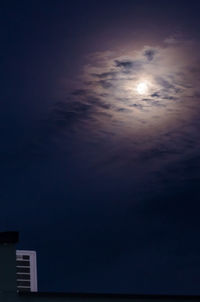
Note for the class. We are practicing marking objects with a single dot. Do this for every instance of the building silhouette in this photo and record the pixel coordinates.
(9, 292)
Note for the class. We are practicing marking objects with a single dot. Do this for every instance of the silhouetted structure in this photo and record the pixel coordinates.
(26, 270)
(9, 293)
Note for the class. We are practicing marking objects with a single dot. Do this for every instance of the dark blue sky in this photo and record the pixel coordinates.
(100, 178)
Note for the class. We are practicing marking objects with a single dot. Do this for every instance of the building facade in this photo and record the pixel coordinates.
(26, 266)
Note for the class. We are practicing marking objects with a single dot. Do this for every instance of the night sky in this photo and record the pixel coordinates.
(100, 142)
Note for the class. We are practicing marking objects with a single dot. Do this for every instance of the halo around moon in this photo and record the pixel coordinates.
(142, 88)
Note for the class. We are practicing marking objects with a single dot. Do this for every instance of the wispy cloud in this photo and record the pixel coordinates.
(121, 129)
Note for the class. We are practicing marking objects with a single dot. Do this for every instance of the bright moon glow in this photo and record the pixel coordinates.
(142, 88)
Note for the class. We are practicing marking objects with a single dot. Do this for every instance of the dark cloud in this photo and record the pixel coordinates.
(169, 97)
(123, 110)
(150, 54)
(124, 64)
(63, 113)
(128, 66)
(138, 106)
(166, 84)
(106, 84)
(153, 103)
(155, 95)
(109, 74)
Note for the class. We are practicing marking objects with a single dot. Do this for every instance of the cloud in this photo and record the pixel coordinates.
(165, 83)
(128, 66)
(150, 54)
(166, 68)
(155, 94)
(171, 97)
(110, 74)
(105, 84)
(128, 130)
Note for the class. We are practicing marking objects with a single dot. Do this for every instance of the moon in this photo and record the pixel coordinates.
(142, 88)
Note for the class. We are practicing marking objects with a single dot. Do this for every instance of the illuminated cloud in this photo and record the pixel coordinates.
(121, 130)
(169, 70)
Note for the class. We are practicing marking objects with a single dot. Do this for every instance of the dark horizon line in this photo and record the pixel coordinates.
(111, 295)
